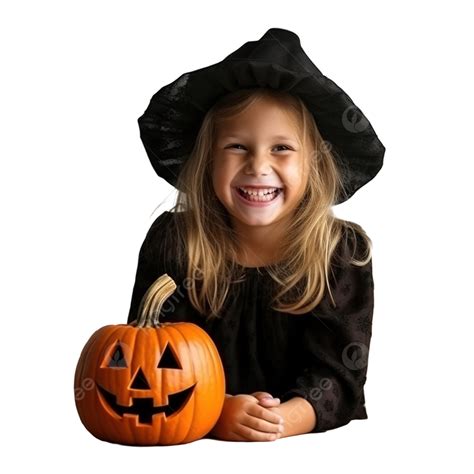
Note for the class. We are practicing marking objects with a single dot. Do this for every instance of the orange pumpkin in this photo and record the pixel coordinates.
(150, 383)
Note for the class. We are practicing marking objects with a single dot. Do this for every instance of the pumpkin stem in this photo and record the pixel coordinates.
(153, 299)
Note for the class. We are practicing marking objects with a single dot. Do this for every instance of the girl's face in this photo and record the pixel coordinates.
(259, 151)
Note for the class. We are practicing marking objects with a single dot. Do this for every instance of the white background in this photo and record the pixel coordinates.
(78, 195)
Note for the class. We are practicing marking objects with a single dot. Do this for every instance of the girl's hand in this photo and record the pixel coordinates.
(266, 399)
(273, 404)
(243, 418)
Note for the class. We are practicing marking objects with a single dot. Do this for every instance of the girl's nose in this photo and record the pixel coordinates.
(258, 163)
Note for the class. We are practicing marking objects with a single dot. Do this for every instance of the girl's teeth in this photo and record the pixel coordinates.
(260, 192)
(261, 196)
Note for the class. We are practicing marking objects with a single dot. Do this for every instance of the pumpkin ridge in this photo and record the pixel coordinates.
(175, 327)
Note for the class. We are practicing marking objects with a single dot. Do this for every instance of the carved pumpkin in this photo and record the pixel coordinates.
(150, 383)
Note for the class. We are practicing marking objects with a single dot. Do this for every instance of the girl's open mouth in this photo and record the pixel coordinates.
(260, 199)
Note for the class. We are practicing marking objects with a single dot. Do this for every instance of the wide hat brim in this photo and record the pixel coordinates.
(169, 125)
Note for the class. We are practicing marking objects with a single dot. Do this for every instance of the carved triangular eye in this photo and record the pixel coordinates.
(117, 359)
(168, 360)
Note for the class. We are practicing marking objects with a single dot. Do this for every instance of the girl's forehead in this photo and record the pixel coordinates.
(244, 136)
(269, 119)
(278, 127)
(270, 131)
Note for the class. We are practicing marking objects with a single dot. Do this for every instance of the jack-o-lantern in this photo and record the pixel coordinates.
(150, 383)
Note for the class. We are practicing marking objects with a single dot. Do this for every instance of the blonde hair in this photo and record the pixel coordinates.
(209, 242)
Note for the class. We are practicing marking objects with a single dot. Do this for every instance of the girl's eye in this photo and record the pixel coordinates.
(238, 144)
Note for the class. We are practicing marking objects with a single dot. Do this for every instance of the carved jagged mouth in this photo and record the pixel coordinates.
(143, 407)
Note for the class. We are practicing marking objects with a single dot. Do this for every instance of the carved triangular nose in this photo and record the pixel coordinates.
(140, 381)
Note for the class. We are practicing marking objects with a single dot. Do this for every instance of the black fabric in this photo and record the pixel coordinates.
(321, 356)
(170, 123)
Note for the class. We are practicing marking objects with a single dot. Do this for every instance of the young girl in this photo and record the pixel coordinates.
(260, 147)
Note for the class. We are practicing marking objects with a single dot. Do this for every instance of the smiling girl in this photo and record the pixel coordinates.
(260, 174)
(283, 287)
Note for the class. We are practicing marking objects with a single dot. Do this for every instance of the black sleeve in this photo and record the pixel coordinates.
(150, 262)
(335, 348)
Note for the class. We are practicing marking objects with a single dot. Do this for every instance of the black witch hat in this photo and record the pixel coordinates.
(169, 125)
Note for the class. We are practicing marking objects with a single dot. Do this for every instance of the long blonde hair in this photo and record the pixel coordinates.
(209, 242)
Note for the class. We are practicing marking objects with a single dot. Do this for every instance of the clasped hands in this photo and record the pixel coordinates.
(254, 417)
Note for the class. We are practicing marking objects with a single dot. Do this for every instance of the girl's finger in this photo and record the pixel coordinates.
(261, 394)
(251, 432)
(266, 415)
(269, 402)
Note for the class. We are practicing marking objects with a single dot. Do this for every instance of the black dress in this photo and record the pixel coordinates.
(321, 356)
